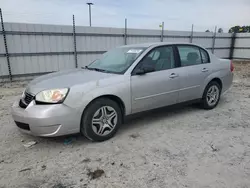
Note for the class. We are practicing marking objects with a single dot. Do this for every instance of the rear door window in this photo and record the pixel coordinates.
(204, 56)
(189, 55)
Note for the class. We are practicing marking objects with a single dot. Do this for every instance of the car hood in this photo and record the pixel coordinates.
(65, 79)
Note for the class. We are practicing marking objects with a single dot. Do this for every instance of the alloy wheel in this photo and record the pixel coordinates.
(104, 120)
(212, 95)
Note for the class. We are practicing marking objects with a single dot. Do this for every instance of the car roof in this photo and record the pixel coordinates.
(146, 45)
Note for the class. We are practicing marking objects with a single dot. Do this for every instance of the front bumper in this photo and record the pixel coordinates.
(46, 120)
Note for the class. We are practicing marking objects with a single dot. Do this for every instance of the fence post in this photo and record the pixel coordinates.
(125, 32)
(231, 53)
(5, 45)
(214, 37)
(192, 34)
(162, 31)
(74, 38)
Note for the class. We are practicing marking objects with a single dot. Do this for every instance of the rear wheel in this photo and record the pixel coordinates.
(101, 120)
(211, 95)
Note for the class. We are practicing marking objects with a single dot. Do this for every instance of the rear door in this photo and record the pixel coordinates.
(159, 87)
(193, 70)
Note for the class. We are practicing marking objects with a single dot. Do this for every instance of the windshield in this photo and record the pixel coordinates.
(117, 60)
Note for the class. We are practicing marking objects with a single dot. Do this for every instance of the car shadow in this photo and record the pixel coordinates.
(151, 116)
(156, 115)
(131, 122)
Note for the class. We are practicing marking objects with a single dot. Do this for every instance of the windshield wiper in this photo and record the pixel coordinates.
(85, 67)
(95, 69)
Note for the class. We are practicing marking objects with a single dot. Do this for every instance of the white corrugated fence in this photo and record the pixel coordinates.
(35, 49)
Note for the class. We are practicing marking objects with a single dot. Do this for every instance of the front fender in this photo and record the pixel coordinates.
(80, 96)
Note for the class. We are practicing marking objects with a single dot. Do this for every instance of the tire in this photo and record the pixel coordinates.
(205, 99)
(96, 120)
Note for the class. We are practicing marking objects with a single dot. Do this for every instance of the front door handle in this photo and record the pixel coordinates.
(204, 70)
(173, 75)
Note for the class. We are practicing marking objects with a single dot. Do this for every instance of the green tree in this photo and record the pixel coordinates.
(239, 29)
(220, 30)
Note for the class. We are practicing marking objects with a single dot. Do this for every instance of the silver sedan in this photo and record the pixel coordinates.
(94, 100)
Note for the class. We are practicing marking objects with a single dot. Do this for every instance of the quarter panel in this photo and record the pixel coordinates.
(220, 69)
(224, 75)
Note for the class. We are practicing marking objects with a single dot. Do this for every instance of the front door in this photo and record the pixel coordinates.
(194, 69)
(160, 86)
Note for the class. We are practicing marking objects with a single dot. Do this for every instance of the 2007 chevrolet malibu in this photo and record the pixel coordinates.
(95, 99)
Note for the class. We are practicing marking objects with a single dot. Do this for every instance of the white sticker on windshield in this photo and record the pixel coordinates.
(134, 51)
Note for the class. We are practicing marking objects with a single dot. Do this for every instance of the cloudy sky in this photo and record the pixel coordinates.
(177, 14)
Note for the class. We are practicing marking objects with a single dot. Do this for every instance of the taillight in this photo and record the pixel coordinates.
(231, 66)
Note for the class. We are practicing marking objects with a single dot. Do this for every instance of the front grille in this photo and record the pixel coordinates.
(24, 102)
(28, 98)
(23, 125)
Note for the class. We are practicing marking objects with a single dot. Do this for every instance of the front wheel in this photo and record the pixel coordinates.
(101, 120)
(211, 95)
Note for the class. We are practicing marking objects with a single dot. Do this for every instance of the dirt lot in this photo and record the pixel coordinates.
(183, 147)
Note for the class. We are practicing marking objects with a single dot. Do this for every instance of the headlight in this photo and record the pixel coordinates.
(52, 95)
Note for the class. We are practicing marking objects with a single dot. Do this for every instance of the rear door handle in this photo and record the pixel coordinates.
(204, 70)
(173, 75)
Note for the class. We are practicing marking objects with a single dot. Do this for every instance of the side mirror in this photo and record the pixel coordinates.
(144, 70)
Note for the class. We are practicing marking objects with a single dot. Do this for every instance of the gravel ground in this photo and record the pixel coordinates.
(182, 147)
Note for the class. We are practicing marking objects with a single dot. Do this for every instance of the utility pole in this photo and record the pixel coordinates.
(90, 4)
(125, 32)
(214, 38)
(192, 34)
(162, 31)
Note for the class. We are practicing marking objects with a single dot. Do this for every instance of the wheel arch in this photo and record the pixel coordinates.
(215, 79)
(218, 80)
(204, 102)
(114, 98)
